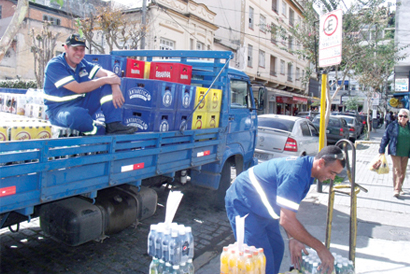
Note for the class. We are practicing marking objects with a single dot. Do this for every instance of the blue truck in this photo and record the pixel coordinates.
(84, 188)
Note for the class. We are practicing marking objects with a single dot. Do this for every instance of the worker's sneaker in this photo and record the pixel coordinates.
(396, 193)
(118, 128)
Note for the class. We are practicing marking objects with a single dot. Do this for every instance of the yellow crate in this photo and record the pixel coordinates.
(212, 120)
(147, 70)
(4, 134)
(24, 132)
(198, 120)
(212, 102)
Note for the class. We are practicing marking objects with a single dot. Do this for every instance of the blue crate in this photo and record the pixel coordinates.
(164, 121)
(183, 116)
(185, 97)
(140, 117)
(158, 95)
(116, 64)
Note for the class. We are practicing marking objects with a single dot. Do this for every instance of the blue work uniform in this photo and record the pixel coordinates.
(261, 192)
(66, 108)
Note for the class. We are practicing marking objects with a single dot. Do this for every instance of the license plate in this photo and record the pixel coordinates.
(262, 156)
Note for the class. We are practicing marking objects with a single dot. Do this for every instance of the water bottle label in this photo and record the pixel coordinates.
(185, 249)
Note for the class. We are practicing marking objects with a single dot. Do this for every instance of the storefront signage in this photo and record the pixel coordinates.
(299, 100)
(401, 84)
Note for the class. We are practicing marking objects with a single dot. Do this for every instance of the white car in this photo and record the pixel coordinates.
(283, 136)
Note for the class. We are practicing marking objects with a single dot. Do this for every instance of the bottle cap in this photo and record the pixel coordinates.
(174, 234)
(225, 248)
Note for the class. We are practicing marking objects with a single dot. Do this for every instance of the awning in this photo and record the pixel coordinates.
(299, 100)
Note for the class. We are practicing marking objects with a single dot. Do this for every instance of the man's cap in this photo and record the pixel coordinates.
(75, 40)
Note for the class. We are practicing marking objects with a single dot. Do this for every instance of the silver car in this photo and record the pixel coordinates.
(282, 136)
(355, 126)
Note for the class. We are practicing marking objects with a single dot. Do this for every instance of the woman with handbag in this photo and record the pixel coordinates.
(397, 137)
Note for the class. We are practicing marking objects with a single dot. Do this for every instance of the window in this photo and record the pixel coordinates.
(303, 74)
(200, 46)
(273, 33)
(275, 5)
(52, 20)
(297, 74)
(240, 94)
(250, 17)
(305, 129)
(313, 130)
(272, 65)
(262, 23)
(290, 69)
(282, 67)
(261, 58)
(291, 17)
(0, 12)
(290, 42)
(284, 8)
(191, 44)
(250, 50)
(165, 44)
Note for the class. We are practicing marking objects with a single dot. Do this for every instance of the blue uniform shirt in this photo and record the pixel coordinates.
(284, 182)
(58, 73)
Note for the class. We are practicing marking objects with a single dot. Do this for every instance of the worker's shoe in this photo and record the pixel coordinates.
(118, 128)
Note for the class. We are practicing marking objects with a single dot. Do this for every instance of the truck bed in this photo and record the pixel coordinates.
(38, 171)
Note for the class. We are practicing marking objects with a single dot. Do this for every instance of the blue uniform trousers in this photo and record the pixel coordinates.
(78, 114)
(261, 233)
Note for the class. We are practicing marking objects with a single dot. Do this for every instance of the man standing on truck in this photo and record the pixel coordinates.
(74, 92)
(270, 194)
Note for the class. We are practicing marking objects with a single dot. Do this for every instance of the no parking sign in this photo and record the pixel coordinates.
(330, 39)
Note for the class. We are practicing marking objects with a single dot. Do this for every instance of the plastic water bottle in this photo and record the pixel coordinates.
(183, 268)
(256, 262)
(167, 268)
(175, 249)
(188, 231)
(161, 266)
(175, 269)
(153, 267)
(184, 241)
(165, 245)
(151, 240)
(190, 267)
(224, 260)
(158, 241)
(241, 263)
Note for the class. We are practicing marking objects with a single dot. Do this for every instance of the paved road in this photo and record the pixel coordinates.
(30, 251)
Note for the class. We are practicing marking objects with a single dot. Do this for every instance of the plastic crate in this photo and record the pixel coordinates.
(154, 94)
(139, 117)
(137, 69)
(212, 102)
(198, 120)
(172, 72)
(185, 97)
(116, 64)
(185, 118)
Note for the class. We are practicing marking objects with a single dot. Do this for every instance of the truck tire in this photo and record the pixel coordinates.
(224, 184)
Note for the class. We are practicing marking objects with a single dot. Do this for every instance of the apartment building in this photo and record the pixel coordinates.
(251, 29)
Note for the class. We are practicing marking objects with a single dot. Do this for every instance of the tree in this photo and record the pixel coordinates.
(117, 29)
(43, 45)
(352, 103)
(358, 20)
(14, 26)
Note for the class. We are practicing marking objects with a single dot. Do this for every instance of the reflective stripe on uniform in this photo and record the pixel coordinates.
(63, 98)
(106, 99)
(92, 132)
(93, 72)
(288, 203)
(262, 194)
(64, 81)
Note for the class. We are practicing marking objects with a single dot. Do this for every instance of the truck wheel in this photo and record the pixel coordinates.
(224, 184)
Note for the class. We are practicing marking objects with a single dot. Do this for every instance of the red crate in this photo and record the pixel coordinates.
(171, 72)
(135, 68)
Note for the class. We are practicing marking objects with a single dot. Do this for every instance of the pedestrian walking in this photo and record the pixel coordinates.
(389, 118)
(397, 138)
(270, 194)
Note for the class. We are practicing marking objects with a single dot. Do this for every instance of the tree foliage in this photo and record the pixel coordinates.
(43, 45)
(116, 29)
(364, 52)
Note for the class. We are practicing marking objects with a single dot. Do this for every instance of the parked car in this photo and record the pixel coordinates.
(355, 126)
(283, 135)
(307, 114)
(337, 128)
(354, 114)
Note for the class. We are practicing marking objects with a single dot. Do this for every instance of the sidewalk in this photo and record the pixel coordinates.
(383, 234)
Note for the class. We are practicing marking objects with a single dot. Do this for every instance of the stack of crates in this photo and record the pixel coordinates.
(116, 64)
(149, 105)
(208, 111)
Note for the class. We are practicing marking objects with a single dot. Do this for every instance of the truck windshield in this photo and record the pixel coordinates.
(276, 123)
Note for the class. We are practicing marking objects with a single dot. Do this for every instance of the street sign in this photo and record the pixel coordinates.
(330, 39)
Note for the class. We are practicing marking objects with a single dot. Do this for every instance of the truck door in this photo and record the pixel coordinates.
(242, 118)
